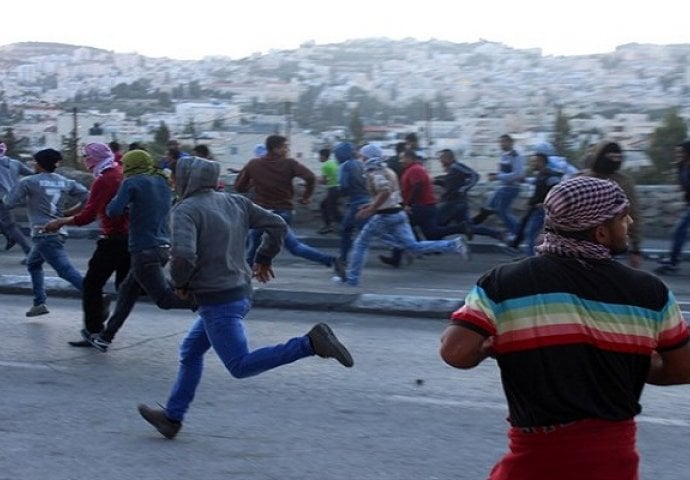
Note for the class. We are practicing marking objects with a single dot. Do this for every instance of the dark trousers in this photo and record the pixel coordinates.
(329, 207)
(111, 256)
(146, 271)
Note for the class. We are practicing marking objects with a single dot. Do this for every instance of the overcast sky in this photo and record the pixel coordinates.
(196, 28)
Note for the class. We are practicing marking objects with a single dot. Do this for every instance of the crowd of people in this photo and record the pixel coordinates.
(576, 333)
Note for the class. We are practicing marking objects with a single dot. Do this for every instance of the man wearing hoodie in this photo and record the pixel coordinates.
(680, 232)
(354, 188)
(605, 162)
(209, 233)
(270, 177)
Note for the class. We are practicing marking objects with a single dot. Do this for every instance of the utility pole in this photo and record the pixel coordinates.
(428, 114)
(288, 120)
(74, 141)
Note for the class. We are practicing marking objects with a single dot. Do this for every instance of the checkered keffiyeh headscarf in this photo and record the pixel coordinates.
(577, 205)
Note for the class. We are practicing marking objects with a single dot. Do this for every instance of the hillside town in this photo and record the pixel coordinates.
(460, 96)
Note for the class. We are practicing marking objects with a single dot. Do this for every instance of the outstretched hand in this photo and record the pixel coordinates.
(263, 273)
(53, 225)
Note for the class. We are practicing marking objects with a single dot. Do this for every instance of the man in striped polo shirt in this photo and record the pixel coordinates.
(576, 335)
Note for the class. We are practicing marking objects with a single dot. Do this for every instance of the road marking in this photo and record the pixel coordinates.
(669, 422)
(31, 366)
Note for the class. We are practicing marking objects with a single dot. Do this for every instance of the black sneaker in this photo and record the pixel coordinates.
(10, 243)
(157, 417)
(83, 342)
(389, 261)
(339, 268)
(326, 344)
(95, 340)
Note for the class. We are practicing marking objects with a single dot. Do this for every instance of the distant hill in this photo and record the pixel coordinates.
(18, 52)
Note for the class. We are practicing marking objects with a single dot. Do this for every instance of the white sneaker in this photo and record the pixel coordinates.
(462, 249)
(37, 310)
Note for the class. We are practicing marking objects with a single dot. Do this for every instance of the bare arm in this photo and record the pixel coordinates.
(464, 348)
(670, 367)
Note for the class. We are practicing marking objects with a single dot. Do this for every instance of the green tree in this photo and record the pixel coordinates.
(662, 142)
(561, 135)
(11, 142)
(161, 135)
(69, 150)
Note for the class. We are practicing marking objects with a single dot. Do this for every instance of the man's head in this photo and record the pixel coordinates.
(409, 157)
(47, 160)
(202, 151)
(277, 145)
(259, 150)
(370, 151)
(607, 157)
(412, 141)
(546, 148)
(344, 151)
(372, 156)
(324, 154)
(96, 154)
(446, 157)
(539, 161)
(506, 142)
(590, 209)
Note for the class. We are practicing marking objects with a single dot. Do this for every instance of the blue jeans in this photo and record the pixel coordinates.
(51, 249)
(348, 226)
(291, 242)
(426, 218)
(11, 230)
(535, 225)
(393, 229)
(501, 202)
(680, 234)
(221, 327)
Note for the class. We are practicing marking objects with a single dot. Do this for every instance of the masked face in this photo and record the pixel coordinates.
(608, 163)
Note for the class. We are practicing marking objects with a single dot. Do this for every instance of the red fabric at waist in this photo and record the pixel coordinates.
(592, 449)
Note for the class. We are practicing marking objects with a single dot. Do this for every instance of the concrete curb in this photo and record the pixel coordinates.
(400, 305)
(333, 242)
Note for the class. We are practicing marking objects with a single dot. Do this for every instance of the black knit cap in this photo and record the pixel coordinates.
(48, 159)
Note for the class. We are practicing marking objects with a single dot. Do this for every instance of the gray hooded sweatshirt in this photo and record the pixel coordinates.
(209, 235)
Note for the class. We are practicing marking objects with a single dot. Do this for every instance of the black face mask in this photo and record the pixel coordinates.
(606, 165)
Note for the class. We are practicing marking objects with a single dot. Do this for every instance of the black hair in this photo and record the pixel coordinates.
(275, 141)
(202, 150)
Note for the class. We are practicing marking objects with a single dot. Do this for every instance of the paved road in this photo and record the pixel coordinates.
(71, 413)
